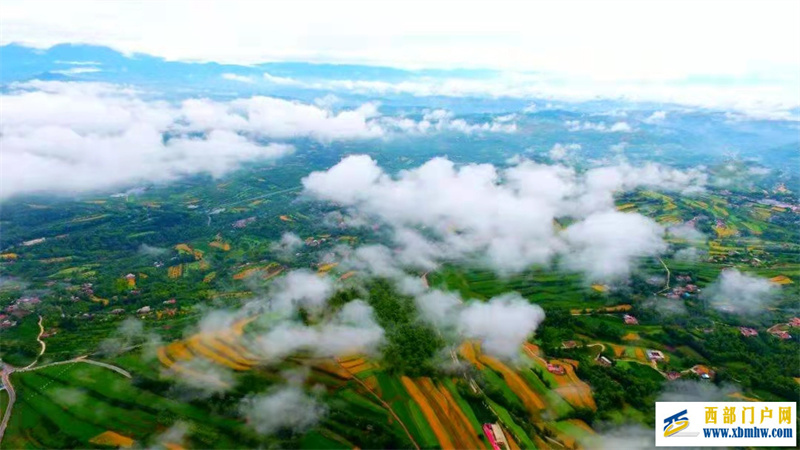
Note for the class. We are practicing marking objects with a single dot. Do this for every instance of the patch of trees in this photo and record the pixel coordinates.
(411, 344)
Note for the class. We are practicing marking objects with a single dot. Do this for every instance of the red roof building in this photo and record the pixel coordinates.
(780, 334)
(748, 332)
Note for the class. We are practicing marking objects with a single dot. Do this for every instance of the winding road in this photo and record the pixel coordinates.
(8, 369)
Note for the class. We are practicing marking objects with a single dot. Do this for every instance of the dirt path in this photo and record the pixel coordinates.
(598, 344)
(82, 359)
(41, 344)
(12, 397)
(666, 288)
(385, 405)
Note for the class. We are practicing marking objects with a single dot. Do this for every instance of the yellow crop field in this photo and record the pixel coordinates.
(357, 365)
(626, 206)
(631, 337)
(9, 256)
(208, 278)
(348, 275)
(574, 390)
(247, 272)
(781, 279)
(430, 415)
(600, 287)
(175, 271)
(324, 268)
(724, 232)
(183, 248)
(112, 439)
(470, 353)
(220, 347)
(531, 349)
(529, 398)
(198, 345)
(104, 301)
(286, 218)
(224, 246)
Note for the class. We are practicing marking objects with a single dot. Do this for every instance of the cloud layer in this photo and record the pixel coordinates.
(505, 218)
(58, 136)
(741, 293)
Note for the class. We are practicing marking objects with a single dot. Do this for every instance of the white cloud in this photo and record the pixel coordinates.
(283, 81)
(284, 407)
(301, 288)
(287, 245)
(502, 218)
(239, 78)
(604, 244)
(689, 254)
(656, 117)
(741, 293)
(502, 324)
(617, 127)
(88, 136)
(500, 37)
(686, 231)
(560, 152)
(77, 70)
(70, 137)
(353, 331)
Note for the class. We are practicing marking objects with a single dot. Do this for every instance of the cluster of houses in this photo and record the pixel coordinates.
(683, 291)
(748, 332)
(556, 369)
(774, 331)
(242, 223)
(145, 310)
(313, 242)
(18, 309)
(630, 320)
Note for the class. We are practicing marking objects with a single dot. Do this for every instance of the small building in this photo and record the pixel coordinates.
(495, 435)
(748, 332)
(794, 322)
(170, 301)
(672, 376)
(569, 344)
(603, 361)
(117, 311)
(780, 334)
(556, 369)
(143, 310)
(692, 288)
(654, 355)
(703, 372)
(630, 320)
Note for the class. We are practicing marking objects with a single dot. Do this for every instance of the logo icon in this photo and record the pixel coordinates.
(674, 424)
